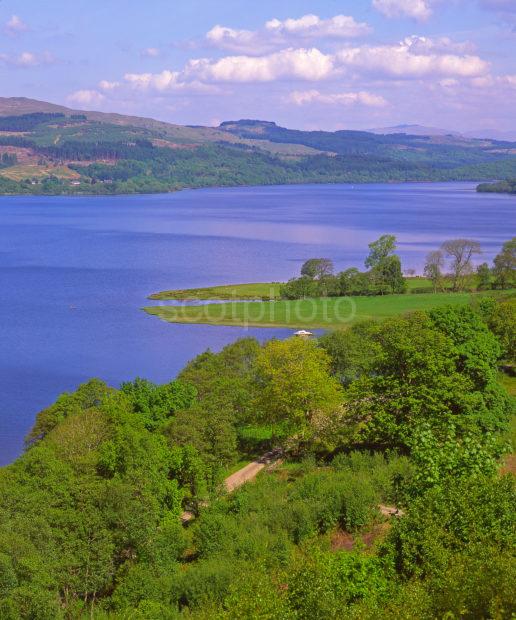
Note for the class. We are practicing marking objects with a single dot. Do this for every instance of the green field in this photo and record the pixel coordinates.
(312, 313)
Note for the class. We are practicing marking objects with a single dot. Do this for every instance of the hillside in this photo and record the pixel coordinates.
(415, 130)
(50, 149)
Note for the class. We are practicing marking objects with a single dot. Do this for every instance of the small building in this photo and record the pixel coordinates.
(303, 334)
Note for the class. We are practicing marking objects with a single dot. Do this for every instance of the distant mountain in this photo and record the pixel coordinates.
(493, 134)
(415, 130)
(50, 149)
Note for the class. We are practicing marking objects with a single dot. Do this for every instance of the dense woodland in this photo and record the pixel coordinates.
(121, 158)
(411, 412)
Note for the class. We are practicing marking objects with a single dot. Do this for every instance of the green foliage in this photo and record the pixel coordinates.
(89, 515)
(504, 270)
(156, 403)
(327, 583)
(501, 187)
(317, 268)
(294, 383)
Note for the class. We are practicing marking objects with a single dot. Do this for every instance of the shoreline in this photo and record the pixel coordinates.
(208, 187)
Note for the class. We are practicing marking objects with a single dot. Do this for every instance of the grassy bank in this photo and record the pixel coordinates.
(312, 313)
(258, 290)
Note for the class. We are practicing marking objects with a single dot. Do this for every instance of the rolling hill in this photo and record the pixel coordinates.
(50, 149)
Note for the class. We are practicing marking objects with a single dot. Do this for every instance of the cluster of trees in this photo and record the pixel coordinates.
(8, 159)
(460, 253)
(501, 187)
(27, 122)
(384, 275)
(408, 412)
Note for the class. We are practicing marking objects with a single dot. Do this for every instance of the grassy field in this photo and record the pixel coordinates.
(309, 313)
(34, 171)
(258, 290)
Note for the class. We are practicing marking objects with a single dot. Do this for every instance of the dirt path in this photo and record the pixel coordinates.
(250, 471)
(247, 473)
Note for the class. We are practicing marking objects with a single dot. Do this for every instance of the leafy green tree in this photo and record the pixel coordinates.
(299, 288)
(326, 584)
(384, 265)
(316, 268)
(352, 351)
(379, 250)
(158, 402)
(353, 282)
(483, 277)
(388, 272)
(504, 270)
(438, 370)
(294, 383)
(226, 379)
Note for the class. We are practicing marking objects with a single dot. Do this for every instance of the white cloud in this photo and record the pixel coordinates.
(107, 85)
(407, 60)
(298, 64)
(336, 99)
(277, 34)
(27, 59)
(416, 9)
(238, 40)
(313, 27)
(86, 97)
(490, 81)
(424, 45)
(15, 26)
(150, 52)
(164, 81)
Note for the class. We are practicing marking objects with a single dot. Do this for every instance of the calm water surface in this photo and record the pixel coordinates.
(74, 272)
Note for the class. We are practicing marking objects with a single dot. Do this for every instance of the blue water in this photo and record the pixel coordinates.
(75, 271)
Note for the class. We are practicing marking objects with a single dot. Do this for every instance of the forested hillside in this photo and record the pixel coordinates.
(63, 151)
(409, 417)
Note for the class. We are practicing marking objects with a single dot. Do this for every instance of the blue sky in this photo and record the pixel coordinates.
(331, 64)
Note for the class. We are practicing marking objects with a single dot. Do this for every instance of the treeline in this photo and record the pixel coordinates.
(408, 412)
(501, 187)
(460, 253)
(141, 166)
(318, 280)
(28, 122)
(8, 159)
(385, 274)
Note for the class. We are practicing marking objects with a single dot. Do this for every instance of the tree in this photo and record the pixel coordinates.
(461, 252)
(353, 282)
(316, 268)
(379, 250)
(389, 272)
(438, 370)
(433, 268)
(505, 265)
(385, 267)
(294, 383)
(299, 288)
(484, 277)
